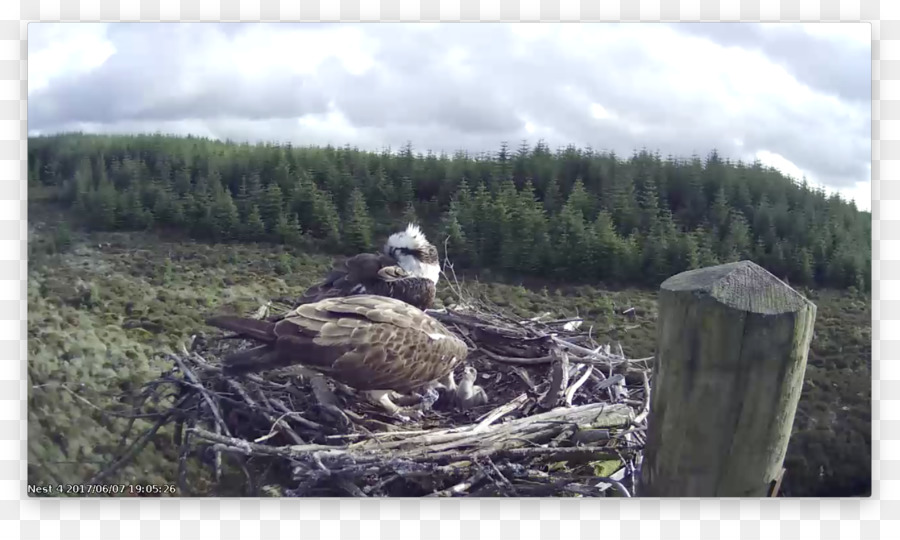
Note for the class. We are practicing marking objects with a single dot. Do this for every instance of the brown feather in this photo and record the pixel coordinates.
(392, 273)
(368, 342)
(374, 274)
(251, 360)
(252, 328)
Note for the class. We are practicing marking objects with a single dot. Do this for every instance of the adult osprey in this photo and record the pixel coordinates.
(372, 343)
(407, 269)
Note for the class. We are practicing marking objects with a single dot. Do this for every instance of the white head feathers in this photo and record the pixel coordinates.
(411, 238)
(400, 245)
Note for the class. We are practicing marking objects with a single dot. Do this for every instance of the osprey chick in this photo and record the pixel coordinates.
(469, 394)
(371, 343)
(407, 270)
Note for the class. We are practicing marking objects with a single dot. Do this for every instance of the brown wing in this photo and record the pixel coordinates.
(392, 273)
(346, 275)
(370, 342)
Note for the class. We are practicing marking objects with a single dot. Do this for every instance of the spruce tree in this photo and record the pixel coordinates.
(225, 217)
(457, 249)
(358, 226)
(270, 206)
(254, 228)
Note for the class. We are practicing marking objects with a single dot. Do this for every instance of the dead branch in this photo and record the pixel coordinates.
(279, 430)
(559, 379)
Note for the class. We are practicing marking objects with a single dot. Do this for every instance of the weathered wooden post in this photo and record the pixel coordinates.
(732, 347)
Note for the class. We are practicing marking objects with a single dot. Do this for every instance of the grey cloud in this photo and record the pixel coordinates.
(413, 94)
(145, 80)
(836, 66)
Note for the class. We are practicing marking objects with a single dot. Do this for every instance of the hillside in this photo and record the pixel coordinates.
(134, 239)
(573, 215)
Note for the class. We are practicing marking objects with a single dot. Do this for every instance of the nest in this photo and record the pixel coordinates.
(565, 416)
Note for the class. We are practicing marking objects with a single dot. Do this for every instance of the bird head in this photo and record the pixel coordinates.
(414, 253)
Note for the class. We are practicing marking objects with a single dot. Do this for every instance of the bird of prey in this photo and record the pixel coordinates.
(372, 343)
(407, 270)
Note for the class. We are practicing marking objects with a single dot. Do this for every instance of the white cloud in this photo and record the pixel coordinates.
(795, 96)
(65, 49)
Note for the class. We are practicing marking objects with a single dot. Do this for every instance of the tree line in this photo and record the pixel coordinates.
(574, 214)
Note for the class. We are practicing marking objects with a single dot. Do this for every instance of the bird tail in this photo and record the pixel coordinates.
(252, 360)
(250, 328)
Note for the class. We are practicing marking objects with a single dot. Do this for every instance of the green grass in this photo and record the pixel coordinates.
(105, 308)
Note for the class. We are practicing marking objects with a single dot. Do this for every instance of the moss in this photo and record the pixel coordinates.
(98, 323)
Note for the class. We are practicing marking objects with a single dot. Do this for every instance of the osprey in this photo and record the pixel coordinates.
(372, 343)
(407, 270)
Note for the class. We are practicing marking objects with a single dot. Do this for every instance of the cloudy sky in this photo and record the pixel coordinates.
(796, 97)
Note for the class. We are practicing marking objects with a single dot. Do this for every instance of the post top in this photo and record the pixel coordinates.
(742, 285)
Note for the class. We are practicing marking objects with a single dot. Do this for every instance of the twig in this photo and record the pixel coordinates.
(135, 447)
(645, 409)
(573, 388)
(501, 411)
(461, 487)
(517, 361)
(559, 379)
(183, 453)
(203, 391)
(276, 423)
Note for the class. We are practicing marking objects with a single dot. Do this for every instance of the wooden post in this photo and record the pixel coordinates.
(732, 346)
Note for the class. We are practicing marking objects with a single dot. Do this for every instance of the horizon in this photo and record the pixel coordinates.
(796, 97)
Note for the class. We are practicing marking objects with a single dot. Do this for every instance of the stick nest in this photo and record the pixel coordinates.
(565, 416)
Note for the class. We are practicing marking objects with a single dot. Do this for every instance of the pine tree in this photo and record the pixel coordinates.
(270, 206)
(608, 248)
(358, 228)
(624, 209)
(254, 228)
(303, 200)
(507, 222)
(737, 242)
(481, 221)
(409, 215)
(225, 217)
(686, 254)
(403, 192)
(379, 193)
(288, 229)
(580, 200)
(283, 178)
(552, 196)
(528, 229)
(648, 204)
(706, 247)
(655, 258)
(103, 207)
(182, 181)
(804, 269)
(325, 219)
(720, 212)
(452, 233)
(734, 210)
(574, 246)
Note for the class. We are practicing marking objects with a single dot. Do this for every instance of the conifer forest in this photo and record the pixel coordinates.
(525, 217)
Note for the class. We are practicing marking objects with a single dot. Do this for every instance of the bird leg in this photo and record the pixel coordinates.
(405, 400)
(425, 397)
(447, 383)
(383, 399)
